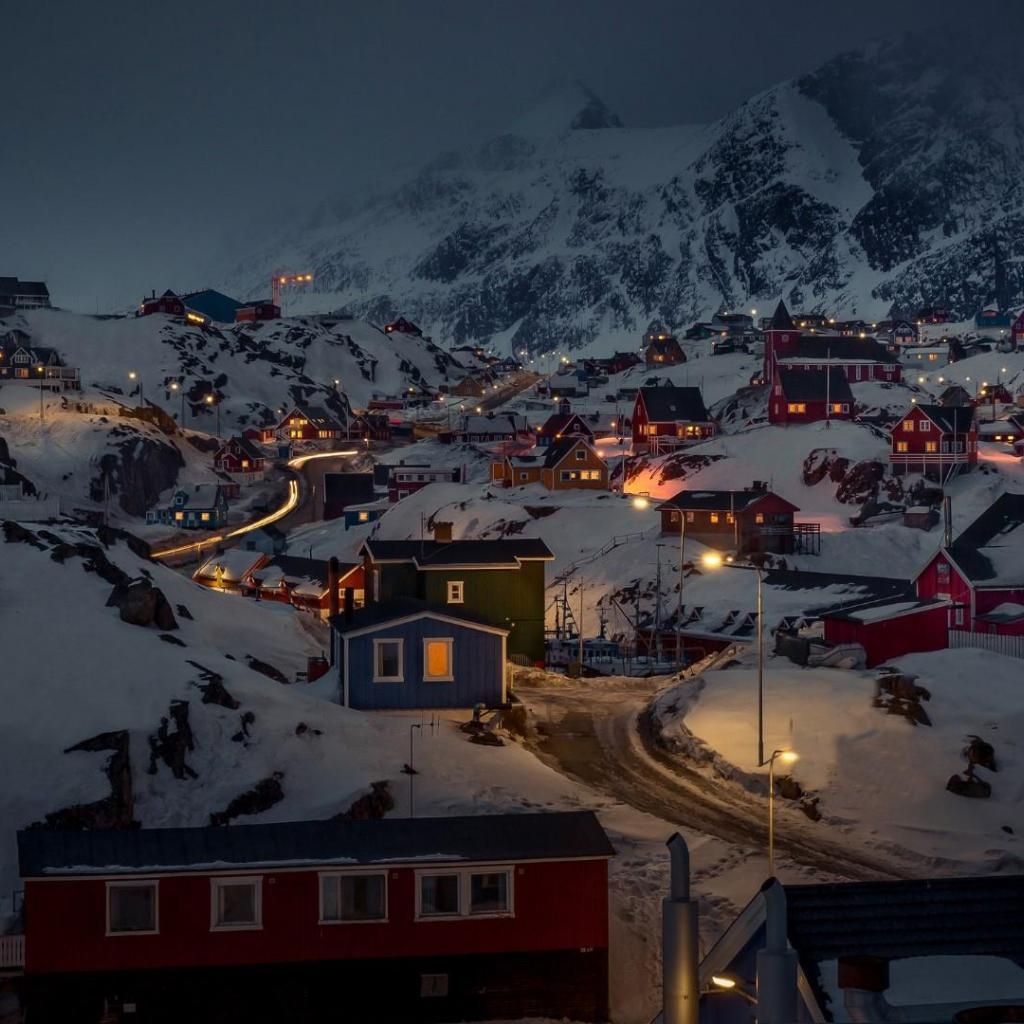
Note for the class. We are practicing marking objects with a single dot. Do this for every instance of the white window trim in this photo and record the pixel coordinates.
(465, 891)
(400, 678)
(450, 678)
(216, 884)
(350, 874)
(452, 599)
(153, 883)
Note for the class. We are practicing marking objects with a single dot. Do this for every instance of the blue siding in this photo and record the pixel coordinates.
(476, 665)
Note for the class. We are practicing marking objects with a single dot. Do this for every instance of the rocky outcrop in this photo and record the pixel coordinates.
(142, 604)
(261, 797)
(138, 471)
(369, 806)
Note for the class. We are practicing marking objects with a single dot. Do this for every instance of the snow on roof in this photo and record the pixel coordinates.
(231, 566)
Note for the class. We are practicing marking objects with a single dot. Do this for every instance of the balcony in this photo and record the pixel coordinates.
(12, 952)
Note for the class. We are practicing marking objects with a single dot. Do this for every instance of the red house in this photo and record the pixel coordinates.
(308, 423)
(808, 396)
(935, 440)
(471, 918)
(239, 457)
(168, 303)
(403, 326)
(304, 583)
(259, 310)
(1017, 331)
(889, 627)
(564, 423)
(665, 418)
(980, 575)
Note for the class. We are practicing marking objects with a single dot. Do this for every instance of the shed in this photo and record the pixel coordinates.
(344, 489)
(889, 628)
(404, 654)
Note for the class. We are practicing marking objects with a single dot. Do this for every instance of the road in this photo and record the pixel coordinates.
(592, 733)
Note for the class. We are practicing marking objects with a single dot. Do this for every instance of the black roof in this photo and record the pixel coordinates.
(931, 917)
(951, 419)
(814, 386)
(995, 527)
(12, 286)
(433, 553)
(316, 414)
(348, 488)
(381, 612)
(818, 348)
(312, 569)
(716, 501)
(671, 404)
(558, 449)
(489, 837)
(781, 320)
(862, 588)
(245, 446)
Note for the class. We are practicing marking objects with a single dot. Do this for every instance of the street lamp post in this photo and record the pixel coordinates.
(39, 370)
(786, 757)
(132, 375)
(180, 386)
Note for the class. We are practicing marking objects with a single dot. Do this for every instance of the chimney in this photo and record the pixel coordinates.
(680, 980)
(776, 963)
(947, 521)
(442, 532)
(349, 604)
(333, 572)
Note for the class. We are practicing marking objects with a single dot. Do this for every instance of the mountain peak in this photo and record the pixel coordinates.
(565, 106)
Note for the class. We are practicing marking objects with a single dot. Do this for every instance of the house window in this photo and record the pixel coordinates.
(566, 475)
(908, 426)
(759, 518)
(590, 474)
(652, 429)
(902, 446)
(796, 407)
(439, 895)
(131, 908)
(387, 661)
(730, 518)
(359, 897)
(942, 571)
(488, 893)
(206, 517)
(456, 592)
(523, 476)
(235, 903)
(437, 660)
(713, 517)
(245, 463)
(691, 517)
(178, 516)
(925, 426)
(958, 617)
(839, 407)
(581, 454)
(931, 446)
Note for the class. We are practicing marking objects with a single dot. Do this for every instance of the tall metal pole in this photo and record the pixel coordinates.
(680, 983)
(580, 627)
(771, 816)
(412, 770)
(679, 610)
(182, 386)
(760, 668)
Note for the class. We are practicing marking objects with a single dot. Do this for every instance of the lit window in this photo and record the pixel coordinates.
(245, 463)
(131, 907)
(206, 517)
(439, 895)
(387, 661)
(179, 516)
(456, 592)
(759, 517)
(235, 903)
(730, 518)
(353, 898)
(714, 517)
(902, 446)
(908, 426)
(364, 517)
(931, 446)
(652, 429)
(840, 407)
(437, 660)
(796, 407)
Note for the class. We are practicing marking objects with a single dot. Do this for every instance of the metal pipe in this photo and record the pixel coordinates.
(776, 963)
(760, 667)
(679, 942)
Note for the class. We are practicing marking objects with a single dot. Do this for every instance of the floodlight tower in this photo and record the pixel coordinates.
(278, 281)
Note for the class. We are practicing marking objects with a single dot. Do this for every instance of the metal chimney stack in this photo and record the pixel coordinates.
(776, 963)
(947, 521)
(680, 983)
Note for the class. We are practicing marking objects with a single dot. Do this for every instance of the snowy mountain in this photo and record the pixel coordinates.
(885, 179)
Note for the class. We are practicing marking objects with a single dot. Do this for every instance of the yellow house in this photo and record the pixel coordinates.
(563, 465)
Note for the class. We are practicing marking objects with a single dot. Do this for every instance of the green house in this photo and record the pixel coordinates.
(500, 582)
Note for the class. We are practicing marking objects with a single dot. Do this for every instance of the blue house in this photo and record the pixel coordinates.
(368, 512)
(215, 305)
(403, 654)
(268, 539)
(203, 508)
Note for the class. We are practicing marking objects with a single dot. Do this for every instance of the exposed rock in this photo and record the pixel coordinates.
(142, 604)
(183, 612)
(260, 798)
(788, 788)
(15, 533)
(980, 754)
(247, 718)
(969, 785)
(140, 471)
(266, 669)
(370, 806)
(170, 638)
(172, 747)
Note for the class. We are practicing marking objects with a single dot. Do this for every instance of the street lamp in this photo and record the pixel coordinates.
(177, 385)
(785, 757)
(713, 560)
(210, 400)
(132, 375)
(726, 984)
(39, 370)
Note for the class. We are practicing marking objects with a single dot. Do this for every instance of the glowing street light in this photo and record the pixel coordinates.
(133, 376)
(784, 757)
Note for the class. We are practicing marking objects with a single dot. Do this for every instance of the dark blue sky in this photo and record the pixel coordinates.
(140, 139)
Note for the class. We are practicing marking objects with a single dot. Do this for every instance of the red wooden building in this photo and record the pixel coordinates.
(398, 919)
(403, 326)
(665, 418)
(168, 303)
(981, 574)
(304, 583)
(260, 310)
(564, 423)
(1017, 331)
(306, 423)
(239, 457)
(889, 628)
(808, 396)
(934, 440)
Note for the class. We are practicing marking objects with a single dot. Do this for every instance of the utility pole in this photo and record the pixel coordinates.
(679, 609)
(580, 626)
(411, 770)
(657, 610)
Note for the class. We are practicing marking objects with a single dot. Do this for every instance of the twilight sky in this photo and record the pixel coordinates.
(142, 142)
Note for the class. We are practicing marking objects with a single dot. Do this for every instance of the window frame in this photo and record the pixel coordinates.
(135, 883)
(450, 642)
(580, 454)
(453, 595)
(378, 643)
(465, 876)
(361, 873)
(218, 883)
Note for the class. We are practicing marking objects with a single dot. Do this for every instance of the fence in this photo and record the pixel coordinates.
(1011, 646)
(12, 951)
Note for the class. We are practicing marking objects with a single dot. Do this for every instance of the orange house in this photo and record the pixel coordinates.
(565, 464)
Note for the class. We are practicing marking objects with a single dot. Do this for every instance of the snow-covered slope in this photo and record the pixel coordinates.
(887, 177)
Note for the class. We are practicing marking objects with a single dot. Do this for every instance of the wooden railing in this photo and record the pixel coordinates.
(12, 951)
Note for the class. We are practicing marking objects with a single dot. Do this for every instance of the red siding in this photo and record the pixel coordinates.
(886, 639)
(956, 589)
(557, 905)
